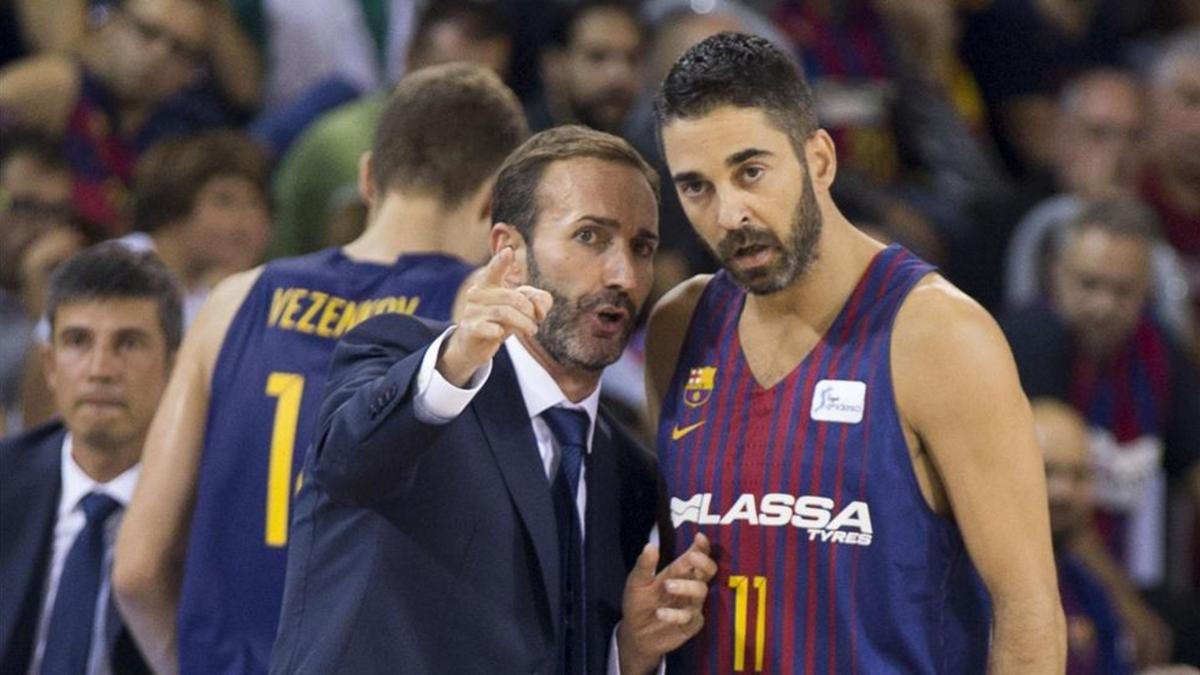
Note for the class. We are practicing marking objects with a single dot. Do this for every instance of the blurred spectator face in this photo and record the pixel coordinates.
(1064, 441)
(1175, 116)
(230, 224)
(156, 48)
(602, 67)
(1100, 128)
(678, 33)
(107, 365)
(1101, 283)
(34, 198)
(449, 41)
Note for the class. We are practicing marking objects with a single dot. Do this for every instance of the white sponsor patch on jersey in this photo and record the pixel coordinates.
(839, 401)
(817, 515)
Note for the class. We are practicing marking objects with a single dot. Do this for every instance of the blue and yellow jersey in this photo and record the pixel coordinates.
(266, 391)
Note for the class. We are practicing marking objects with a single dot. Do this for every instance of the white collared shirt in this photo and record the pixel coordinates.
(437, 402)
(68, 523)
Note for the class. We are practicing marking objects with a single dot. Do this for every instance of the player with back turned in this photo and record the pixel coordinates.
(844, 425)
(223, 455)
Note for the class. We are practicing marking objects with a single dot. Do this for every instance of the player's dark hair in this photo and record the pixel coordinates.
(445, 131)
(515, 200)
(112, 271)
(173, 172)
(744, 71)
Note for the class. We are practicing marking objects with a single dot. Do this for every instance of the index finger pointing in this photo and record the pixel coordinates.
(498, 267)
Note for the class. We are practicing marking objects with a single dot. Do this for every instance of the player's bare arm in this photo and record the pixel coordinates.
(971, 436)
(665, 332)
(152, 542)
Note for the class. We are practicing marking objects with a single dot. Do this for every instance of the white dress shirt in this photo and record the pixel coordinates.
(68, 524)
(437, 402)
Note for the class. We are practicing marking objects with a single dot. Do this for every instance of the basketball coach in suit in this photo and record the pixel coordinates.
(466, 508)
(116, 321)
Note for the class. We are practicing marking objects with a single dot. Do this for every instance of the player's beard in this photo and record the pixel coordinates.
(563, 333)
(795, 258)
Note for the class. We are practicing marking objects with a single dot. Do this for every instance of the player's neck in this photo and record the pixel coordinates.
(816, 298)
(400, 224)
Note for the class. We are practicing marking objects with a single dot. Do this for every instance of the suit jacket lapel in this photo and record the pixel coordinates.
(501, 411)
(29, 511)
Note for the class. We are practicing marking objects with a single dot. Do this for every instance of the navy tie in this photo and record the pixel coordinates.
(69, 635)
(570, 428)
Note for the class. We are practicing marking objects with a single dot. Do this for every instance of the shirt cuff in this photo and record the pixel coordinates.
(614, 657)
(437, 401)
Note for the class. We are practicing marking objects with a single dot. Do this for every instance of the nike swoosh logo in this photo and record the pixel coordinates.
(678, 433)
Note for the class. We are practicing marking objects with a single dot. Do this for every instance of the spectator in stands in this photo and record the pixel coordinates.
(314, 187)
(116, 98)
(1171, 182)
(36, 231)
(592, 69)
(1098, 154)
(201, 203)
(1097, 347)
(1095, 636)
(309, 43)
(116, 324)
(1022, 52)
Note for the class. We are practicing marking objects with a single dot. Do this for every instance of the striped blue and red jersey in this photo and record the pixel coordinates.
(829, 557)
(266, 391)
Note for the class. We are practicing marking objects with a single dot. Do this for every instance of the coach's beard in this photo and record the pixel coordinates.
(563, 334)
(796, 257)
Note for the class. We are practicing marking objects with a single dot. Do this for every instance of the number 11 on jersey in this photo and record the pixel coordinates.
(741, 600)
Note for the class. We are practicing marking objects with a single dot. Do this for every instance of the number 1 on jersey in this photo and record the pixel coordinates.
(741, 599)
(289, 389)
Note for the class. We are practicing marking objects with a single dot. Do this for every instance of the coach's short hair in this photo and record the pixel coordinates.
(173, 172)
(515, 200)
(445, 132)
(113, 271)
(744, 71)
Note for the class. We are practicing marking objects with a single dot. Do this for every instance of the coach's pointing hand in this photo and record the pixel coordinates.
(662, 611)
(492, 310)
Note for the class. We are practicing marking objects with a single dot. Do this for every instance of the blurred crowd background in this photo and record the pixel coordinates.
(1045, 154)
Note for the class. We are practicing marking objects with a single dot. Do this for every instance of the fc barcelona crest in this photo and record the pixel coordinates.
(699, 386)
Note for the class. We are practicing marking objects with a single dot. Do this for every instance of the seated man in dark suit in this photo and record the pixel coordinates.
(116, 320)
(466, 508)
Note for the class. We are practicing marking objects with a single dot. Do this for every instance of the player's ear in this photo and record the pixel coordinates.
(366, 183)
(821, 155)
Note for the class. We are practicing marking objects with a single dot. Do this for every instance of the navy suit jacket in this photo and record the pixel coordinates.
(421, 548)
(30, 487)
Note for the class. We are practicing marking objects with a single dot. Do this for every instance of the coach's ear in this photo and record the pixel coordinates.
(366, 183)
(505, 236)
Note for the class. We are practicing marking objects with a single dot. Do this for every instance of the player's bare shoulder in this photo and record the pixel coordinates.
(665, 333)
(207, 332)
(947, 351)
